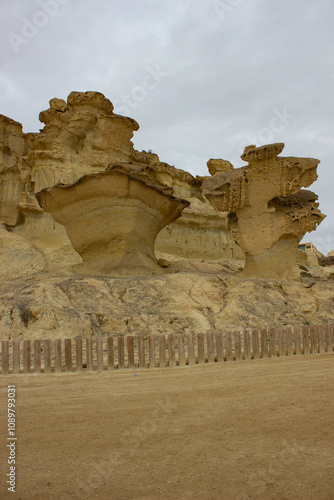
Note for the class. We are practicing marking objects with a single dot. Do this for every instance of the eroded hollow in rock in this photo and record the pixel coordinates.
(112, 219)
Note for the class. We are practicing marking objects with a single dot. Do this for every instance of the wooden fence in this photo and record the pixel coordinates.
(55, 356)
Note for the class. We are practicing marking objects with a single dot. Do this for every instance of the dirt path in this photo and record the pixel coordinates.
(261, 429)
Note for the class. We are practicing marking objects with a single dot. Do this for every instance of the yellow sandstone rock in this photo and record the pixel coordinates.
(84, 136)
(112, 218)
(41, 297)
(268, 212)
(13, 169)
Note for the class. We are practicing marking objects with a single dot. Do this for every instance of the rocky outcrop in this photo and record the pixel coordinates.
(201, 232)
(81, 136)
(217, 165)
(112, 218)
(84, 136)
(326, 261)
(268, 212)
(13, 170)
(192, 297)
(83, 141)
(308, 259)
(19, 257)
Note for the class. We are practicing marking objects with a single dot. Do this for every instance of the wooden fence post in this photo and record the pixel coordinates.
(264, 343)
(37, 356)
(180, 348)
(89, 354)
(58, 357)
(78, 355)
(272, 342)
(16, 355)
(171, 349)
(200, 348)
(297, 337)
(162, 351)
(151, 351)
(141, 351)
(237, 338)
(281, 342)
(99, 354)
(306, 340)
(68, 355)
(255, 341)
(321, 338)
(228, 346)
(120, 342)
(47, 356)
(247, 351)
(26, 356)
(327, 338)
(289, 344)
(220, 346)
(111, 355)
(314, 339)
(5, 357)
(191, 352)
(210, 347)
(131, 351)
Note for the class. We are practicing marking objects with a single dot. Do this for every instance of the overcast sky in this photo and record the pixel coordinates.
(203, 78)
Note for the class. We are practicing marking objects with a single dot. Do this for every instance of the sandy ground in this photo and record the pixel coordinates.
(253, 429)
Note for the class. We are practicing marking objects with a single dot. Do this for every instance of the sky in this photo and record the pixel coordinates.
(203, 78)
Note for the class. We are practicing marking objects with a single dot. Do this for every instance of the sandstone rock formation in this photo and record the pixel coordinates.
(268, 212)
(113, 218)
(201, 232)
(13, 167)
(42, 297)
(217, 165)
(308, 259)
(326, 261)
(192, 297)
(84, 136)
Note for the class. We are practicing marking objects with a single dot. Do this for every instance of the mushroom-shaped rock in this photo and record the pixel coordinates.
(112, 219)
(268, 213)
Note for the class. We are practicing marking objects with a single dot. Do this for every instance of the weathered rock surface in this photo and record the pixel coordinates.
(41, 295)
(84, 136)
(192, 297)
(18, 257)
(200, 233)
(326, 261)
(268, 212)
(308, 259)
(13, 169)
(112, 218)
(217, 165)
